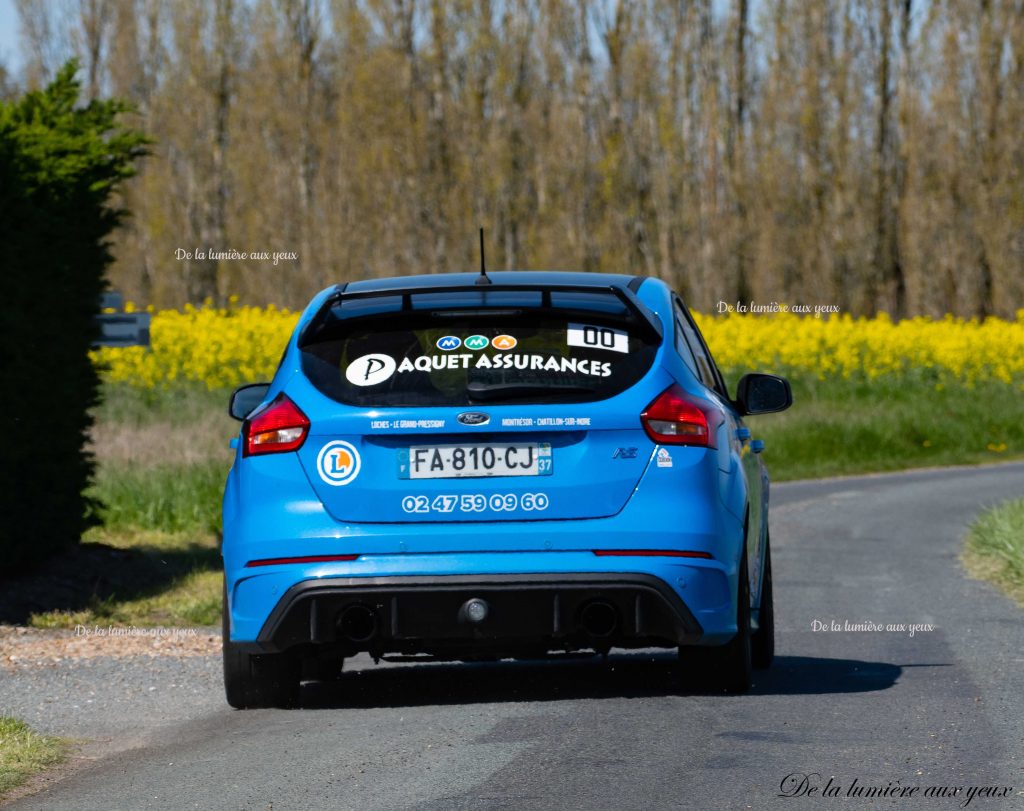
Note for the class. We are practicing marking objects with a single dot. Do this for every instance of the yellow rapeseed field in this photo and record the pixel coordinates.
(944, 350)
(220, 347)
(223, 347)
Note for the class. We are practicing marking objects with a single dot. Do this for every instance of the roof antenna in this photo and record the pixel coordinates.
(482, 278)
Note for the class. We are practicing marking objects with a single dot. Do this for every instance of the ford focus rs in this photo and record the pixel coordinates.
(521, 465)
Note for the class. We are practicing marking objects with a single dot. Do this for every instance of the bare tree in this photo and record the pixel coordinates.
(96, 17)
(865, 153)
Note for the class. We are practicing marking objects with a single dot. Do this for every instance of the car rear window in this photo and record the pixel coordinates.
(423, 358)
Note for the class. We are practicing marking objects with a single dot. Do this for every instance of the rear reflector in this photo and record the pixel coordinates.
(679, 418)
(650, 553)
(306, 559)
(279, 427)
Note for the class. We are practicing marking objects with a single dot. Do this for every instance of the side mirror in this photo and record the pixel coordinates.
(245, 398)
(763, 394)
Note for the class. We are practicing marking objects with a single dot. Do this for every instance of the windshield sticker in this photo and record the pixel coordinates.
(427, 363)
(591, 337)
(338, 463)
(476, 342)
(539, 363)
(448, 343)
(504, 342)
(664, 458)
(369, 370)
(437, 363)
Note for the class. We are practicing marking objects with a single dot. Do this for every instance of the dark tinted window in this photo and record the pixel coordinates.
(682, 347)
(705, 366)
(429, 359)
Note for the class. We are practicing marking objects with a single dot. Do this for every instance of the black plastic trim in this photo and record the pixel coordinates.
(644, 317)
(314, 322)
(687, 628)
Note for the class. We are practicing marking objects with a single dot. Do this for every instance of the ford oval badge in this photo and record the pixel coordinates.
(473, 418)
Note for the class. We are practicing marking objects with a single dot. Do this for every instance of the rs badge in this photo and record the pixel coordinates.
(338, 463)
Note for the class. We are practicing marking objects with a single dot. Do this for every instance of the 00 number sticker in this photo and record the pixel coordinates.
(476, 503)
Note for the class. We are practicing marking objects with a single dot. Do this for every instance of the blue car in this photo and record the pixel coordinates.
(464, 467)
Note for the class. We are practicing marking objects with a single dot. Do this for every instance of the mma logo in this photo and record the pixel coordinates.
(448, 343)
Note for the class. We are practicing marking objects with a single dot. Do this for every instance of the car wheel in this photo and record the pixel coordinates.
(762, 642)
(257, 680)
(727, 668)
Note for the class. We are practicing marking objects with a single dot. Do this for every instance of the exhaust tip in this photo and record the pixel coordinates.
(599, 618)
(474, 611)
(357, 623)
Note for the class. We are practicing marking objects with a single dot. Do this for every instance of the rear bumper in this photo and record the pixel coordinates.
(536, 598)
(528, 613)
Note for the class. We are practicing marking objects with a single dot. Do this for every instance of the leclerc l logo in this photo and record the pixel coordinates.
(448, 343)
(338, 463)
(369, 370)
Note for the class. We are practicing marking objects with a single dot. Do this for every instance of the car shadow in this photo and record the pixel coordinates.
(93, 576)
(631, 675)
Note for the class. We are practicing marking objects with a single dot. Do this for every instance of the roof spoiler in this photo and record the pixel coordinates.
(645, 320)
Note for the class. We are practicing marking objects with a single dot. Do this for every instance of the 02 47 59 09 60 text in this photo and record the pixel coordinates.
(476, 503)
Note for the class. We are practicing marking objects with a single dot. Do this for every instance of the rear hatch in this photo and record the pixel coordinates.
(468, 406)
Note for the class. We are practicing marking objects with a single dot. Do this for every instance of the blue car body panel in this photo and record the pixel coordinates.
(611, 488)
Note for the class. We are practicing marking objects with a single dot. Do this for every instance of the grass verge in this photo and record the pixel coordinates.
(194, 599)
(24, 753)
(129, 577)
(994, 550)
(179, 499)
(842, 428)
(162, 459)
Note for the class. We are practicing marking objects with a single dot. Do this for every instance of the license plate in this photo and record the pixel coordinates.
(475, 461)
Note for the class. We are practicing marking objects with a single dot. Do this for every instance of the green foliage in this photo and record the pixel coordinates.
(840, 428)
(995, 548)
(24, 752)
(59, 165)
(171, 498)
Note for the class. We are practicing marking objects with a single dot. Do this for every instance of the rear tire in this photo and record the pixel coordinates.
(727, 668)
(257, 680)
(762, 643)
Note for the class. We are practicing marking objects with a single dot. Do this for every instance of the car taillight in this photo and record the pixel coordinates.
(279, 427)
(678, 418)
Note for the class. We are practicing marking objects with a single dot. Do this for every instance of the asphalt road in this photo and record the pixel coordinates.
(944, 707)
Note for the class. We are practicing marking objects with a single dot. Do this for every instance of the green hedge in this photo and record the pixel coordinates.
(59, 165)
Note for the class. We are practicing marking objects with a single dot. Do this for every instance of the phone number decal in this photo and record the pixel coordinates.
(476, 503)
